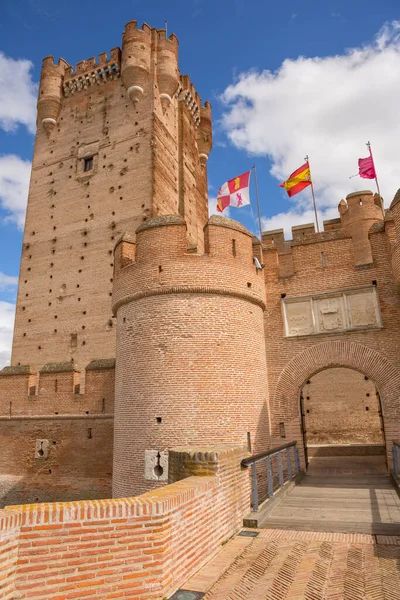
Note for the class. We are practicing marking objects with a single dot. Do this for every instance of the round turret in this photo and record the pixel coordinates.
(135, 59)
(167, 67)
(395, 210)
(204, 132)
(360, 211)
(50, 91)
(191, 365)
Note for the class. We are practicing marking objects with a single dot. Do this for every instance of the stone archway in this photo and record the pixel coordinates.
(337, 354)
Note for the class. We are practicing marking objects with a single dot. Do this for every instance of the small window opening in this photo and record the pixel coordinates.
(367, 408)
(323, 260)
(88, 164)
(56, 385)
(89, 433)
(234, 247)
(282, 432)
(159, 419)
(283, 296)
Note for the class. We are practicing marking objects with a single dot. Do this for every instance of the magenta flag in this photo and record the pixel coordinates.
(366, 168)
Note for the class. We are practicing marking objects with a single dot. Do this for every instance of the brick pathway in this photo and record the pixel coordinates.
(301, 565)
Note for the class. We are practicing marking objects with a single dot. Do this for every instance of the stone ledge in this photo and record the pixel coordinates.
(221, 221)
(101, 364)
(162, 221)
(64, 367)
(18, 370)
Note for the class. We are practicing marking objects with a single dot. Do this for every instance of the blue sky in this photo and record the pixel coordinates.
(284, 78)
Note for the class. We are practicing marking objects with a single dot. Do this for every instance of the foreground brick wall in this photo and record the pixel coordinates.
(143, 547)
(335, 404)
(9, 540)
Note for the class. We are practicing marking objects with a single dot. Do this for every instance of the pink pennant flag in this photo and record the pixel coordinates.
(366, 168)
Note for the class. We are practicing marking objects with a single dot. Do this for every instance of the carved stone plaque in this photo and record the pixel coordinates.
(330, 314)
(362, 310)
(299, 318)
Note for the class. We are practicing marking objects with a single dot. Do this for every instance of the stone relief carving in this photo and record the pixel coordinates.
(362, 310)
(299, 318)
(346, 310)
(330, 314)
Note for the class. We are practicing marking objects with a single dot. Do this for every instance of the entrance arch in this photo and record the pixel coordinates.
(318, 357)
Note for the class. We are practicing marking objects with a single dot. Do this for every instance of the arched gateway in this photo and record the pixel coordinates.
(326, 355)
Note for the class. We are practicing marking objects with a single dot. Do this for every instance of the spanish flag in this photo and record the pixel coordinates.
(298, 180)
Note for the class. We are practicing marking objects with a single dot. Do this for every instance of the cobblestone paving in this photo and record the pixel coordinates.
(301, 565)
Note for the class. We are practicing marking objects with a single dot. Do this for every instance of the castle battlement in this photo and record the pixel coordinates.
(55, 390)
(159, 263)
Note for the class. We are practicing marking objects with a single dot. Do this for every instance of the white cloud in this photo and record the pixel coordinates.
(14, 184)
(17, 94)
(7, 311)
(7, 281)
(327, 108)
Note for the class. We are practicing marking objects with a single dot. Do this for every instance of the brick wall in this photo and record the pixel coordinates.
(77, 430)
(9, 541)
(144, 547)
(335, 403)
(374, 353)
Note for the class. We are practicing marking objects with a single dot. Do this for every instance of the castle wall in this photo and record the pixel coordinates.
(56, 443)
(191, 363)
(341, 407)
(322, 263)
(117, 114)
(144, 547)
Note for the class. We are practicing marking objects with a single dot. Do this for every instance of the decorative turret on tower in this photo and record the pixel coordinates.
(358, 213)
(135, 59)
(395, 210)
(50, 92)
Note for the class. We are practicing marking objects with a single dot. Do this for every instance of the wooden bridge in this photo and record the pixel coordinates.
(335, 535)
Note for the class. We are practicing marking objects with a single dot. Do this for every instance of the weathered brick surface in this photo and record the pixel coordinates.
(341, 407)
(78, 428)
(292, 361)
(9, 540)
(143, 547)
(203, 333)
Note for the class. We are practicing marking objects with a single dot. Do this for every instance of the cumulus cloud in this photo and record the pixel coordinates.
(328, 108)
(14, 184)
(7, 312)
(17, 94)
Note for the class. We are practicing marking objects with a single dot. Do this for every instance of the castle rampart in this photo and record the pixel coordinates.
(193, 323)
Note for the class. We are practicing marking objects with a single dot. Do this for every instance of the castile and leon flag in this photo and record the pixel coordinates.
(234, 192)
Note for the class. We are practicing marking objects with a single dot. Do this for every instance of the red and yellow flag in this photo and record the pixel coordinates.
(298, 180)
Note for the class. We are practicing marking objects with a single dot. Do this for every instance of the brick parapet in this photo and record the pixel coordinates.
(146, 546)
(163, 266)
(56, 390)
(9, 539)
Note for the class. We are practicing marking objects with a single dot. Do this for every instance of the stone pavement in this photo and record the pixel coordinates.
(302, 565)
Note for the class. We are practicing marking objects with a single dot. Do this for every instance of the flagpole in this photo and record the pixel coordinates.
(376, 180)
(258, 200)
(313, 195)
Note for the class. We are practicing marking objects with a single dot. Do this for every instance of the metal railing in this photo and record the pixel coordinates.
(396, 457)
(281, 465)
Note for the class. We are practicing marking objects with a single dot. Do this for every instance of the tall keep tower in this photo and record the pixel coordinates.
(118, 141)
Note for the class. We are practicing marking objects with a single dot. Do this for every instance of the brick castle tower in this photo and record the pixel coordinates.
(118, 141)
(142, 325)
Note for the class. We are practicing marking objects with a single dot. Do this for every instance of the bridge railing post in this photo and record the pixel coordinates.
(273, 468)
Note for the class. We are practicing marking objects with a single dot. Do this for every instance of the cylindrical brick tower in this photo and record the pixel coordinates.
(191, 364)
(395, 210)
(360, 211)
